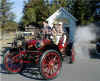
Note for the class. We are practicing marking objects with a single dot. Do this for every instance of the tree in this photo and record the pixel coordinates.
(35, 11)
(11, 26)
(56, 4)
(83, 11)
(93, 8)
(5, 14)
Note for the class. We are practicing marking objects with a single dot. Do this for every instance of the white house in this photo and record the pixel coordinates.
(64, 16)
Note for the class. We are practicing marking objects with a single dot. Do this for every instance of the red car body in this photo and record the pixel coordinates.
(41, 52)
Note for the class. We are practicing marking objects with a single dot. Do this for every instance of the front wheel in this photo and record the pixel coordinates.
(50, 64)
(12, 62)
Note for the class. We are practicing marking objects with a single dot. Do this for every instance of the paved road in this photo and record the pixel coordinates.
(81, 70)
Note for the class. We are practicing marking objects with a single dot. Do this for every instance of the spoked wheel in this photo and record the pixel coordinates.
(50, 64)
(12, 62)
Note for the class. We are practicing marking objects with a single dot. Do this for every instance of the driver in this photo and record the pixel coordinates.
(58, 33)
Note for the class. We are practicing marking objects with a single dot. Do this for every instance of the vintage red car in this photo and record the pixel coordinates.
(47, 55)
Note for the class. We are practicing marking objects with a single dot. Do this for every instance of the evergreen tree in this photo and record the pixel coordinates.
(35, 11)
(83, 11)
(56, 4)
(5, 14)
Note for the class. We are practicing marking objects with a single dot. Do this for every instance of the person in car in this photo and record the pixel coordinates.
(46, 29)
(58, 33)
(53, 33)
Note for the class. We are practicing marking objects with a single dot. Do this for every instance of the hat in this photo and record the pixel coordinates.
(60, 23)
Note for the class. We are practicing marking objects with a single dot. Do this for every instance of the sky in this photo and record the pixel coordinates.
(17, 8)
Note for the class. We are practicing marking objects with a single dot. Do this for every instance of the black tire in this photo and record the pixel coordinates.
(55, 62)
(8, 64)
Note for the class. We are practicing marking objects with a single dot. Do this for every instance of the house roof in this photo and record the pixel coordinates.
(61, 13)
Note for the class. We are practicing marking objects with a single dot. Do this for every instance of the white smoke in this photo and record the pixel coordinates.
(83, 37)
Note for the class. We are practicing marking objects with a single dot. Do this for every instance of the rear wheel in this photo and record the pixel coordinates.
(12, 62)
(50, 64)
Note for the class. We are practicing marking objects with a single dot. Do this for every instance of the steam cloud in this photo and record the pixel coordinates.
(83, 37)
